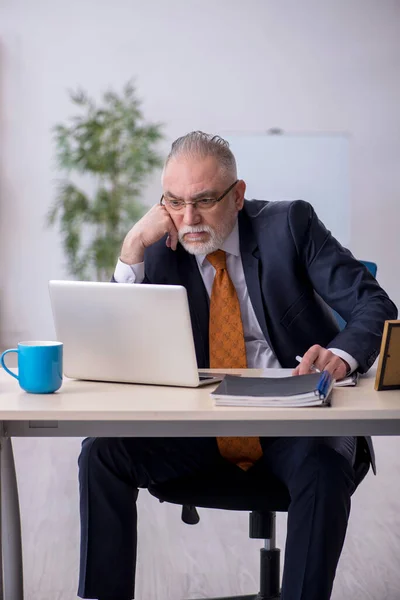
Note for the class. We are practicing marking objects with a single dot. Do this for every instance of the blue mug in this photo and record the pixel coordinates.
(40, 366)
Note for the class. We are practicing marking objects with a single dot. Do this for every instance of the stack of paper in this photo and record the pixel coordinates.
(349, 381)
(303, 390)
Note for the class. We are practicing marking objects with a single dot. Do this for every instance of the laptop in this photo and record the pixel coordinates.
(126, 333)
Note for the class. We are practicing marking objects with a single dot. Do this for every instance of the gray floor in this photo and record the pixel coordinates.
(213, 558)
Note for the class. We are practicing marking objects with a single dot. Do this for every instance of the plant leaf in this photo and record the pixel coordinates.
(106, 151)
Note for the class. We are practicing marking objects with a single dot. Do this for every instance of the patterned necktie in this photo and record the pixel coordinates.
(228, 351)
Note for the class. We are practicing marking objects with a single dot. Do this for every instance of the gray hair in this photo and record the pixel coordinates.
(198, 143)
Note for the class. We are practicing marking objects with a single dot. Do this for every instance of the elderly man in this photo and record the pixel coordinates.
(259, 270)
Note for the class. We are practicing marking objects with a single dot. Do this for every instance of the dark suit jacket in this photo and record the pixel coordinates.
(294, 268)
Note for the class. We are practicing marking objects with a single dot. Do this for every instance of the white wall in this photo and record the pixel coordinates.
(310, 66)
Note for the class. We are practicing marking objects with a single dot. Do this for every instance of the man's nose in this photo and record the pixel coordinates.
(191, 216)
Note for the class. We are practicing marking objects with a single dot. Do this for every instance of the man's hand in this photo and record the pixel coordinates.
(324, 360)
(151, 228)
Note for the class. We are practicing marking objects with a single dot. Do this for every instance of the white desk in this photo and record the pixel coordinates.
(83, 408)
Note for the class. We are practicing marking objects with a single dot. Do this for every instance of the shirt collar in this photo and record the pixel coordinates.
(230, 245)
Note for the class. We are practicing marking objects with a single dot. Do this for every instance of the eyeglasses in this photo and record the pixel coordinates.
(202, 204)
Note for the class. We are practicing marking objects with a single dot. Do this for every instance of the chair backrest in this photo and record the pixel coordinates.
(372, 268)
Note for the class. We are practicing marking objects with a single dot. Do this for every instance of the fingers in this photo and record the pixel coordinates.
(173, 237)
(322, 359)
(170, 229)
(337, 367)
(309, 360)
(156, 224)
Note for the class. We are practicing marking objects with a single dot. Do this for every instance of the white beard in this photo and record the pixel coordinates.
(214, 242)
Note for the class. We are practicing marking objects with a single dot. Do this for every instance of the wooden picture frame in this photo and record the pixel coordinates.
(388, 372)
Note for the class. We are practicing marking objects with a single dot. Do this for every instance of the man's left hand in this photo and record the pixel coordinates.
(324, 360)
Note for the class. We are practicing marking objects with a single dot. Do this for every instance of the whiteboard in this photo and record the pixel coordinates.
(314, 168)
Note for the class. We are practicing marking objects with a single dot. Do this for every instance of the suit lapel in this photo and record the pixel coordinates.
(198, 304)
(252, 270)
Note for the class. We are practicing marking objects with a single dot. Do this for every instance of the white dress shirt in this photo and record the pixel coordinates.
(258, 352)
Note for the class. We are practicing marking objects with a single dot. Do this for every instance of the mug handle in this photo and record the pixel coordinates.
(4, 365)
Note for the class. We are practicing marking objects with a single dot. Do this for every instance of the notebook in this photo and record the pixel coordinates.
(303, 390)
(349, 381)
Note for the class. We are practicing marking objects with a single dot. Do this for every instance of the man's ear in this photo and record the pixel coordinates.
(240, 190)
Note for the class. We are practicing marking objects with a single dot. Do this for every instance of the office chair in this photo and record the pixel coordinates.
(234, 489)
(255, 490)
(372, 268)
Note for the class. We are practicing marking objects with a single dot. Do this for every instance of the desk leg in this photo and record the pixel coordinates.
(11, 574)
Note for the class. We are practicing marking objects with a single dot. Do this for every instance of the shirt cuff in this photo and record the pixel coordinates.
(353, 364)
(129, 273)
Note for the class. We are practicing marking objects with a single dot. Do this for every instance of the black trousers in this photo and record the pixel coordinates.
(318, 473)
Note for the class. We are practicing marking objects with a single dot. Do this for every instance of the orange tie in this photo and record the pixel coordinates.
(228, 351)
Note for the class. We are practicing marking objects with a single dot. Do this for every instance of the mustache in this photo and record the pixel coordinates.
(194, 229)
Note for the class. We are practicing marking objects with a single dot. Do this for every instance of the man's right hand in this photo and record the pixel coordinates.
(151, 228)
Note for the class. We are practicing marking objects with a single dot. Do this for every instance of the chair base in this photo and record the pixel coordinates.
(269, 574)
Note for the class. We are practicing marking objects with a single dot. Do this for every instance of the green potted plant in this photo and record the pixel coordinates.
(106, 152)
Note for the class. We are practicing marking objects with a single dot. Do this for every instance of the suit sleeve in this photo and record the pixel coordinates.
(343, 283)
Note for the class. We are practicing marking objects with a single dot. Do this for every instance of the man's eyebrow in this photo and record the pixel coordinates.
(204, 194)
(171, 195)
